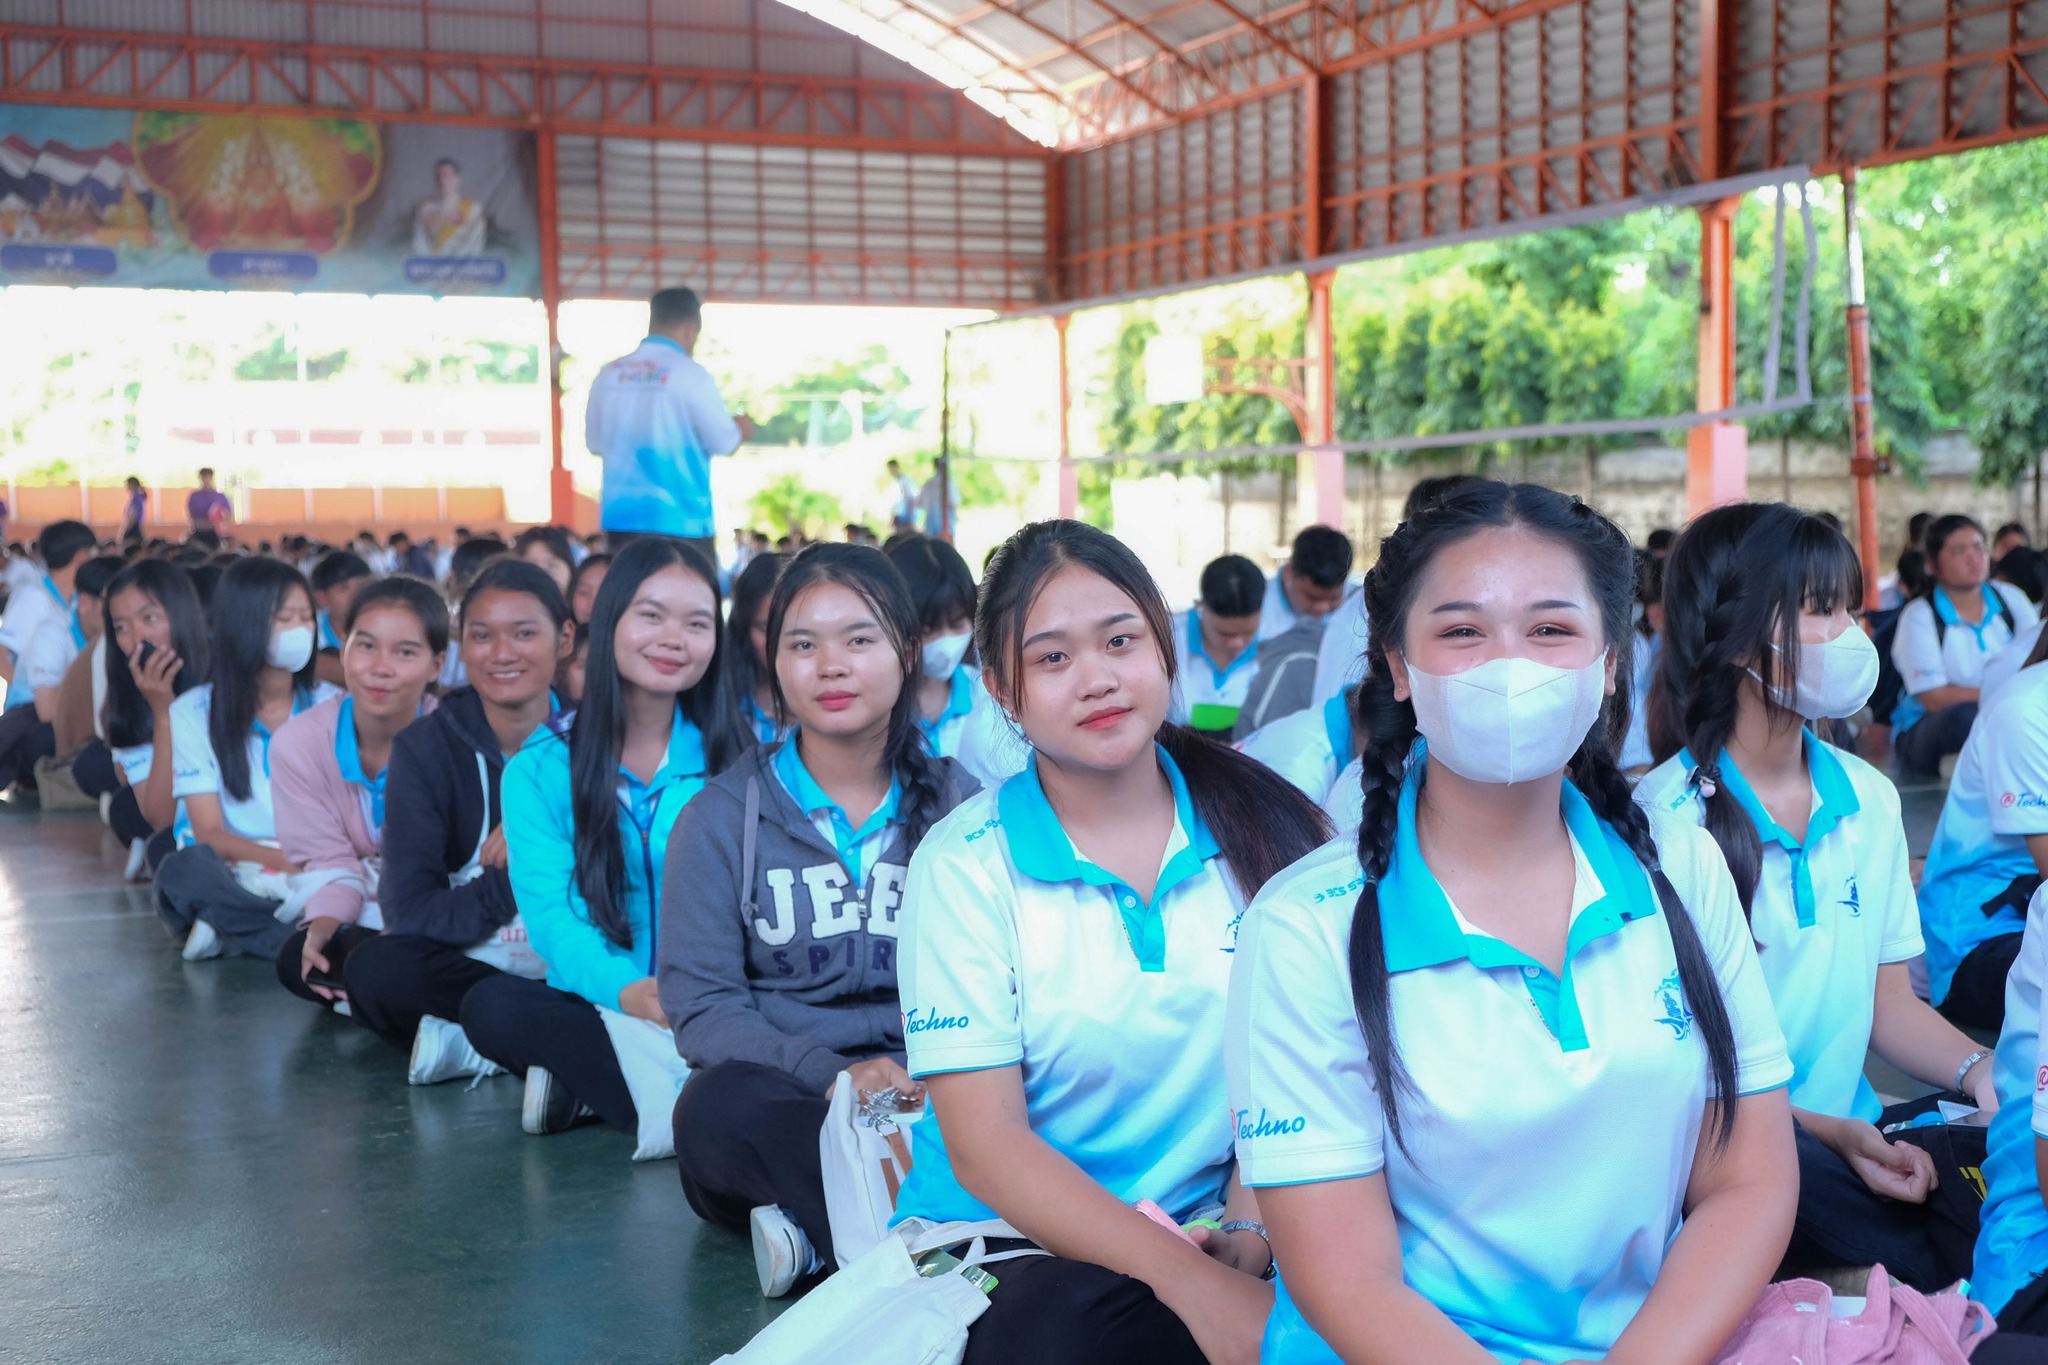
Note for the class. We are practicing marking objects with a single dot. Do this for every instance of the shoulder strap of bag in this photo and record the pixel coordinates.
(747, 840)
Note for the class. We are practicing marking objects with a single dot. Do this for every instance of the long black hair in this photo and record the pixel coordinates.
(597, 735)
(941, 585)
(1261, 821)
(1389, 724)
(744, 669)
(868, 573)
(1737, 579)
(129, 721)
(250, 595)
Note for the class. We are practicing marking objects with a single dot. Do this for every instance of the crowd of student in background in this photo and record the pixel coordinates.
(1486, 947)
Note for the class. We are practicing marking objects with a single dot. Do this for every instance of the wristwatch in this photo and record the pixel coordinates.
(1964, 1070)
(1247, 1225)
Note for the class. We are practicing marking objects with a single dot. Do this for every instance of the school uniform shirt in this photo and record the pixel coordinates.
(196, 769)
(991, 748)
(29, 608)
(1829, 910)
(1340, 658)
(1308, 748)
(656, 419)
(1997, 797)
(50, 654)
(1957, 657)
(949, 728)
(2002, 667)
(1017, 951)
(1551, 1132)
(1206, 696)
(1276, 614)
(2012, 1234)
(540, 840)
(330, 813)
(1643, 654)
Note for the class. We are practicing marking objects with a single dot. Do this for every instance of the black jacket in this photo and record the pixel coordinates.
(440, 801)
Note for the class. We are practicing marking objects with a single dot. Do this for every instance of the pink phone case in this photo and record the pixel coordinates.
(1164, 1219)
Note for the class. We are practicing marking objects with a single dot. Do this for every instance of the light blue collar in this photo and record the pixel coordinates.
(1337, 725)
(348, 757)
(1420, 929)
(683, 761)
(813, 801)
(959, 701)
(1836, 802)
(1041, 849)
(328, 639)
(1196, 650)
(666, 341)
(1945, 608)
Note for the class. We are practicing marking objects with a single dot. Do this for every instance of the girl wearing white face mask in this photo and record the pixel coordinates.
(1759, 641)
(955, 710)
(1503, 1068)
(220, 891)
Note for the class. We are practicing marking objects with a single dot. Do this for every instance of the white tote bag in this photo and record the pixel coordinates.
(654, 1076)
(880, 1311)
(865, 1154)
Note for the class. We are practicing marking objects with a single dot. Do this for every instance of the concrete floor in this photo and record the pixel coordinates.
(195, 1166)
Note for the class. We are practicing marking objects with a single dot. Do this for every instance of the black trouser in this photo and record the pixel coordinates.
(1976, 993)
(1841, 1221)
(1048, 1311)
(126, 818)
(291, 957)
(747, 1134)
(195, 884)
(95, 771)
(519, 1023)
(395, 980)
(162, 844)
(1932, 738)
(2025, 1312)
(23, 740)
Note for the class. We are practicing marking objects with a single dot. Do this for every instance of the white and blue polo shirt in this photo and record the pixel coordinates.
(1998, 796)
(858, 848)
(28, 610)
(1552, 1127)
(2012, 1236)
(1208, 697)
(1829, 910)
(655, 418)
(196, 769)
(1308, 748)
(1017, 951)
(1954, 656)
(946, 730)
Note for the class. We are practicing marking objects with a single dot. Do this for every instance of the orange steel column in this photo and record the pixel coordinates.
(1069, 472)
(1863, 462)
(1717, 453)
(561, 487)
(1319, 473)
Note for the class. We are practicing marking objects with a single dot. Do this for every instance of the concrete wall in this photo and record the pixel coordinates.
(1180, 522)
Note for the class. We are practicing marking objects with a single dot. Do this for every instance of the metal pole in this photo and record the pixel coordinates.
(1069, 472)
(944, 471)
(561, 486)
(1863, 463)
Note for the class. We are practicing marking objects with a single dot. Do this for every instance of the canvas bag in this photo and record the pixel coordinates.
(865, 1155)
(654, 1077)
(1793, 1324)
(880, 1311)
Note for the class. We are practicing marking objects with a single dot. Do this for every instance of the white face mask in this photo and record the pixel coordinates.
(1508, 720)
(291, 649)
(1836, 677)
(941, 656)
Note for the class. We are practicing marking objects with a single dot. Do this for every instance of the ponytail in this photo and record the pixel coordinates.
(1261, 822)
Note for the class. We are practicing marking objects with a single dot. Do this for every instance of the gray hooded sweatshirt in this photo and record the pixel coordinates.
(805, 980)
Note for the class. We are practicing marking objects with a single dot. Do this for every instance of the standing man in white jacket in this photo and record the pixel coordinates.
(656, 419)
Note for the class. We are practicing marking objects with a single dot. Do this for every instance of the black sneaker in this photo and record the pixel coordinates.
(549, 1107)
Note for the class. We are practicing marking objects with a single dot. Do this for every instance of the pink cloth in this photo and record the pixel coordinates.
(320, 820)
(1790, 1325)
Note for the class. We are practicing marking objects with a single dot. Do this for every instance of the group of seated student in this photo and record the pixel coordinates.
(1521, 1060)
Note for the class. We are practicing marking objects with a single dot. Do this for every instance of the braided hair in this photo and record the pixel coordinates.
(868, 573)
(1389, 723)
(1734, 587)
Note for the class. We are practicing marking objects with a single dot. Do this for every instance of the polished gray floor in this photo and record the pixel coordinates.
(195, 1166)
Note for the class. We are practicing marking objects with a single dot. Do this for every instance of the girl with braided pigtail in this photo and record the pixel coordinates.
(1761, 640)
(1507, 1081)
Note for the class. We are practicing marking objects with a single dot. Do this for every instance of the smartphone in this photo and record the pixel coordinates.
(148, 648)
(316, 977)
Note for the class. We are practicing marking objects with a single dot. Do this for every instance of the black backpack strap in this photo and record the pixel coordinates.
(749, 908)
(2017, 893)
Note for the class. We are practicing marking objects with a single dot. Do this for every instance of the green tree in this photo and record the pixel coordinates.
(2010, 428)
(1455, 377)
(791, 504)
(1518, 357)
(816, 413)
(1401, 380)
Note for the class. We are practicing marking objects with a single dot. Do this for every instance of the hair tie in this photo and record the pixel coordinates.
(1708, 779)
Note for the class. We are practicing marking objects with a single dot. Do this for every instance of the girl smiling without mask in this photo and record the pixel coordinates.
(1066, 947)
(1759, 640)
(331, 764)
(1483, 1056)
(781, 976)
(262, 676)
(589, 805)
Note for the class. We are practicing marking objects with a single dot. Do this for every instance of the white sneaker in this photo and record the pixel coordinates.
(138, 860)
(202, 943)
(782, 1254)
(441, 1051)
(106, 807)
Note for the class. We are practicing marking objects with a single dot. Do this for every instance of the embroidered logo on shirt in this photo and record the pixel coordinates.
(1853, 901)
(1248, 1127)
(931, 1021)
(1671, 999)
(1332, 893)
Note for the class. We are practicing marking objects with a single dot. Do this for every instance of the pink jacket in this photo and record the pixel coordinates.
(1791, 1325)
(322, 823)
